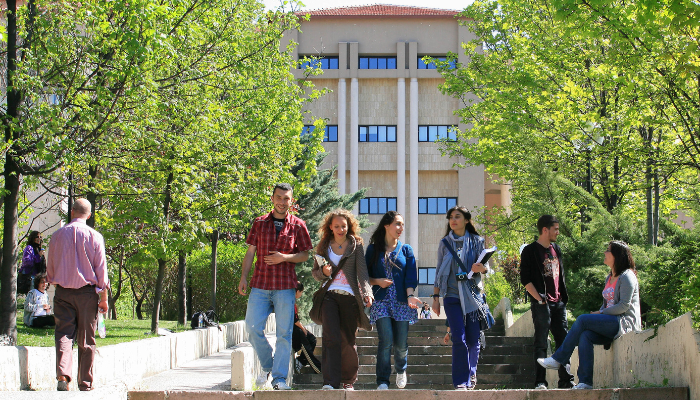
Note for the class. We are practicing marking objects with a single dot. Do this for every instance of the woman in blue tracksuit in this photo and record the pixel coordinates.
(392, 271)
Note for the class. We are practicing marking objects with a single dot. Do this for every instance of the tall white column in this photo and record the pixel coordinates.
(401, 148)
(342, 125)
(354, 120)
(413, 221)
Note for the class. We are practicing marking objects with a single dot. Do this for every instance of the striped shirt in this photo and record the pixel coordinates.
(76, 257)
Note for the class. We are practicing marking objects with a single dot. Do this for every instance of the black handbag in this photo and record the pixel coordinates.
(316, 313)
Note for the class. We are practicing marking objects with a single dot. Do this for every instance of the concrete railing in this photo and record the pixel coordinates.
(668, 355)
(34, 368)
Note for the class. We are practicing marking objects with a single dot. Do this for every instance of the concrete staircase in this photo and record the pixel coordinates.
(506, 363)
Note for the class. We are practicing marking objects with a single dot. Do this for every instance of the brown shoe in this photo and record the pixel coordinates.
(62, 385)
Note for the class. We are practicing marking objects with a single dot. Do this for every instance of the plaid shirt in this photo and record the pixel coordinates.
(294, 238)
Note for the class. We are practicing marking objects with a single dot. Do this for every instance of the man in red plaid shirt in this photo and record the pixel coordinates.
(280, 241)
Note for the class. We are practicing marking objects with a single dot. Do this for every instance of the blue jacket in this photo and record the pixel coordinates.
(404, 277)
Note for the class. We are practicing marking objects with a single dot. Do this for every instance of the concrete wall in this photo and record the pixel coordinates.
(34, 368)
(666, 356)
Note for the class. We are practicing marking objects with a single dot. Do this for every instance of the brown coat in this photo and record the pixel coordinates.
(352, 263)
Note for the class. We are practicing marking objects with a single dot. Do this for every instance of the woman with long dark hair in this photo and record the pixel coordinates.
(33, 262)
(343, 306)
(461, 305)
(619, 314)
(392, 271)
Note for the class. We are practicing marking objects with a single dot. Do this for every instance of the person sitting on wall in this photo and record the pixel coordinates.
(37, 311)
(303, 341)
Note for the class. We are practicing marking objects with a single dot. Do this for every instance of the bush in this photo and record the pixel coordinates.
(497, 288)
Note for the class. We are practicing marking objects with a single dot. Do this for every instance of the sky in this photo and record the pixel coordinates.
(316, 4)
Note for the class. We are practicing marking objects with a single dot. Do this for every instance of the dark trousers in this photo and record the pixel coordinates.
(550, 317)
(339, 362)
(42, 321)
(75, 311)
(465, 342)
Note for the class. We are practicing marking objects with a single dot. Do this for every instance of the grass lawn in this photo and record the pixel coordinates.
(118, 331)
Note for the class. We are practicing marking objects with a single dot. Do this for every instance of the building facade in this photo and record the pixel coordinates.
(385, 113)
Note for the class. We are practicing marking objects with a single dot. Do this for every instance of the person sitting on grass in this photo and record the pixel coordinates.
(37, 311)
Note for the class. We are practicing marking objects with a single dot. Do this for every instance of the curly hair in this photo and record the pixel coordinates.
(326, 234)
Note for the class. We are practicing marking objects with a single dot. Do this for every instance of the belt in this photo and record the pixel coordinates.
(341, 292)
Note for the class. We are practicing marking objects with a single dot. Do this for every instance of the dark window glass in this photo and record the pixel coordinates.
(328, 62)
(381, 63)
(391, 63)
(373, 133)
(377, 62)
(391, 134)
(432, 205)
(391, 204)
(422, 206)
(373, 63)
(451, 202)
(364, 206)
(431, 276)
(442, 205)
(381, 132)
(382, 205)
(373, 209)
(422, 276)
(442, 132)
(432, 133)
(422, 133)
(421, 63)
(364, 63)
(332, 133)
(363, 134)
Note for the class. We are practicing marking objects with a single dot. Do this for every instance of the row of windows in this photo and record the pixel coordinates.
(377, 205)
(435, 205)
(377, 133)
(387, 133)
(426, 205)
(330, 134)
(389, 62)
(426, 276)
(423, 65)
(431, 133)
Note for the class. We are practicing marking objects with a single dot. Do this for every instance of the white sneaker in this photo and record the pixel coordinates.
(383, 386)
(262, 379)
(327, 387)
(281, 385)
(541, 386)
(549, 362)
(401, 380)
(582, 385)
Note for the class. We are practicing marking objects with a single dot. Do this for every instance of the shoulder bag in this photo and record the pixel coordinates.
(316, 313)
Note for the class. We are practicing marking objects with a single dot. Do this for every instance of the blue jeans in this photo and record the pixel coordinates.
(589, 329)
(390, 333)
(260, 304)
(465, 342)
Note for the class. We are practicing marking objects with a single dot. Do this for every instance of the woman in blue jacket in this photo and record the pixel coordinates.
(392, 271)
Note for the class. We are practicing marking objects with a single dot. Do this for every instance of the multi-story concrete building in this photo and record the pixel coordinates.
(386, 111)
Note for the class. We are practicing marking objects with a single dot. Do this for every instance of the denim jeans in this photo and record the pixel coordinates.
(465, 342)
(549, 317)
(260, 304)
(396, 333)
(589, 329)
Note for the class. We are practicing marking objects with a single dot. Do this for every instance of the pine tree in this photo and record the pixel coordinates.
(322, 197)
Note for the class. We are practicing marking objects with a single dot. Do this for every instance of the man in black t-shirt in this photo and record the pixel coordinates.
(542, 274)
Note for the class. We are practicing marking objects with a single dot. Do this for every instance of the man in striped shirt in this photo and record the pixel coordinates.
(77, 265)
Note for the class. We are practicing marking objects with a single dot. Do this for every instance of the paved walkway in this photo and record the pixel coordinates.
(208, 373)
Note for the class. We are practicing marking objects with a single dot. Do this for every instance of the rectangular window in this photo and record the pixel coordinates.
(423, 65)
(426, 276)
(377, 205)
(432, 133)
(377, 133)
(326, 62)
(330, 135)
(435, 205)
(377, 62)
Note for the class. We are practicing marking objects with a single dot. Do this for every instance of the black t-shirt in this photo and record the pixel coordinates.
(279, 224)
(551, 272)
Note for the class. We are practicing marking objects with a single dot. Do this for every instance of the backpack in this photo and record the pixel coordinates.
(208, 318)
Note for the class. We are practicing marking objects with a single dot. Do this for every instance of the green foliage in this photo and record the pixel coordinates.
(497, 287)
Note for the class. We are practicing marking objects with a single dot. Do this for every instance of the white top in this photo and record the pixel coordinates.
(341, 281)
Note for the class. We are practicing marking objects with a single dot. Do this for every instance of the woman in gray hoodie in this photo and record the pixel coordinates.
(618, 315)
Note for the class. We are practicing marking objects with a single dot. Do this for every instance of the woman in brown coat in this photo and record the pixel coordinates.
(340, 263)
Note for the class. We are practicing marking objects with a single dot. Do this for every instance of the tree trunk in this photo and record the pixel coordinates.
(189, 296)
(139, 303)
(657, 200)
(214, 248)
(113, 299)
(161, 261)
(91, 195)
(8, 277)
(182, 288)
